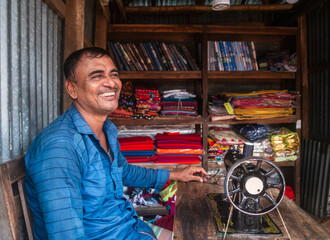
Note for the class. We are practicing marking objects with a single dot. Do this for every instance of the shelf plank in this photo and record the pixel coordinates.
(206, 8)
(212, 165)
(155, 28)
(212, 75)
(168, 166)
(250, 75)
(252, 30)
(159, 121)
(289, 119)
(206, 29)
(160, 75)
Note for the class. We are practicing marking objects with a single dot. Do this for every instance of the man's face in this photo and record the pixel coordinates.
(97, 87)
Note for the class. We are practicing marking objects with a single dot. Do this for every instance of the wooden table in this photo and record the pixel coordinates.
(193, 218)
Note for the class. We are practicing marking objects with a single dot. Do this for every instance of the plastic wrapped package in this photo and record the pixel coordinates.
(251, 132)
(285, 144)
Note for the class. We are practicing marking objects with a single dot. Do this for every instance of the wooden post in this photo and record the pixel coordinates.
(304, 76)
(101, 23)
(74, 35)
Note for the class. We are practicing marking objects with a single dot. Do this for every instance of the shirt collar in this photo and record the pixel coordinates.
(83, 127)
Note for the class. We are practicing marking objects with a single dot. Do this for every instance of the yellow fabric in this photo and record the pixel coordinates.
(253, 93)
(169, 191)
(261, 113)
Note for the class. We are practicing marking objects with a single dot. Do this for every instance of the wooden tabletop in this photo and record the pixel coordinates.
(193, 219)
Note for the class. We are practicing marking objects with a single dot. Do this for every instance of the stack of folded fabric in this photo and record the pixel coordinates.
(178, 102)
(217, 109)
(147, 103)
(137, 149)
(126, 103)
(262, 104)
(221, 139)
(178, 148)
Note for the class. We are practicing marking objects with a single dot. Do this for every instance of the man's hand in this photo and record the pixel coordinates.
(189, 174)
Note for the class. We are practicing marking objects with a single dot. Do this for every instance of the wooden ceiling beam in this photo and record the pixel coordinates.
(105, 10)
(122, 9)
(196, 8)
(58, 6)
(303, 7)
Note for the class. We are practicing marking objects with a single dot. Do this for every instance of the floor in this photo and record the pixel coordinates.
(325, 223)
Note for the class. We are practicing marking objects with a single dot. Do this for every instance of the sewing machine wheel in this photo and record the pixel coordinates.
(248, 184)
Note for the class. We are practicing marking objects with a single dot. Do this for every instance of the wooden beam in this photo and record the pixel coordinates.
(74, 35)
(304, 7)
(121, 9)
(304, 76)
(105, 10)
(58, 6)
(100, 37)
(197, 8)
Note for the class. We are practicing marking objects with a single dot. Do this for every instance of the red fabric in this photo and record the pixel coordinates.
(135, 140)
(289, 193)
(137, 147)
(189, 137)
(187, 146)
(166, 222)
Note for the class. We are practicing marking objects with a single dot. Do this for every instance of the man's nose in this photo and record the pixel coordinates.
(109, 82)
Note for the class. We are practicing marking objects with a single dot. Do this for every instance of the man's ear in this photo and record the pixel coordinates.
(71, 89)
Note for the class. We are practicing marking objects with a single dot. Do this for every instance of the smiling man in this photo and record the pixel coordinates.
(75, 171)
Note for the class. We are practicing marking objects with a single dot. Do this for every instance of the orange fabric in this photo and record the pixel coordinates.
(182, 151)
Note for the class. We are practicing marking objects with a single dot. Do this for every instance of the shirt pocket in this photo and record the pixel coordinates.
(117, 175)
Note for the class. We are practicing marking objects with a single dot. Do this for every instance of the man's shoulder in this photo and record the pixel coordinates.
(61, 131)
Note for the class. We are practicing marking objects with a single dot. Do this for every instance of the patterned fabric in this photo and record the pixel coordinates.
(75, 189)
(161, 233)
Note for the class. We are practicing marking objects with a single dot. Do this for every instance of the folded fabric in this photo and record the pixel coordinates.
(177, 136)
(134, 140)
(137, 147)
(179, 151)
(138, 153)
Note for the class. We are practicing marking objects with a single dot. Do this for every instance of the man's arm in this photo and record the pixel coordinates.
(189, 174)
(56, 178)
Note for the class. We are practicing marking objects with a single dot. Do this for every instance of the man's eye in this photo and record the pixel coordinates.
(97, 76)
(114, 75)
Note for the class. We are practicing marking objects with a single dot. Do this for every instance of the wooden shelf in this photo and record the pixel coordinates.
(168, 166)
(212, 165)
(155, 28)
(159, 121)
(289, 119)
(220, 75)
(206, 29)
(204, 8)
(168, 75)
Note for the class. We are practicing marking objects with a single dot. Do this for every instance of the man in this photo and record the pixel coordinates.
(74, 170)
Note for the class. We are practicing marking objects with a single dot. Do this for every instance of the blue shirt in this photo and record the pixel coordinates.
(74, 188)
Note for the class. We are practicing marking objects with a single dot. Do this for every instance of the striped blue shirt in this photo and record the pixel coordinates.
(74, 189)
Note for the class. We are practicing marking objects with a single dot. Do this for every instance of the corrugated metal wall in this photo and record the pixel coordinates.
(315, 177)
(30, 65)
(318, 38)
(315, 173)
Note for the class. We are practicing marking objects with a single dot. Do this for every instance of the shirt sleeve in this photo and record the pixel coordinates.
(56, 177)
(135, 176)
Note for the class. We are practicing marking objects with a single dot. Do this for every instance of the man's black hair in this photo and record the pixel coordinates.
(73, 59)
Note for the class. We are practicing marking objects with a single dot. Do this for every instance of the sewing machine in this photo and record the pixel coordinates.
(258, 185)
(247, 189)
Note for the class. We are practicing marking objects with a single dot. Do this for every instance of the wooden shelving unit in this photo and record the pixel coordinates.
(201, 34)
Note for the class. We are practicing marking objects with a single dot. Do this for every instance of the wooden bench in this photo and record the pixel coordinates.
(15, 215)
(193, 218)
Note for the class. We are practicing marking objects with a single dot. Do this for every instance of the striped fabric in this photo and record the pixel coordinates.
(75, 191)
(161, 233)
